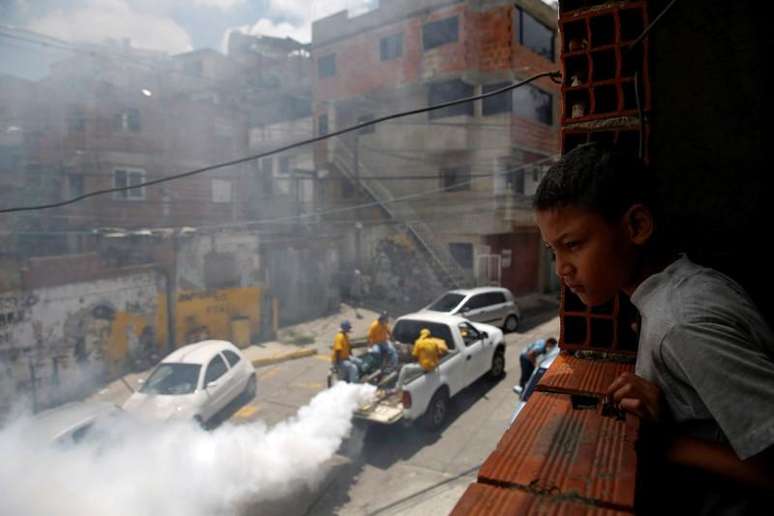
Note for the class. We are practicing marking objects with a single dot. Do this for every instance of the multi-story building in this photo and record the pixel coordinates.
(456, 178)
(115, 116)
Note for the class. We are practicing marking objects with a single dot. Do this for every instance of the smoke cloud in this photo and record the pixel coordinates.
(130, 468)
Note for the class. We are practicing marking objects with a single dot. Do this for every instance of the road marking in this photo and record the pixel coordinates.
(271, 372)
(246, 411)
(324, 358)
(312, 386)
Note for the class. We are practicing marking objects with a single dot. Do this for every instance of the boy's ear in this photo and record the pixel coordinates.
(639, 224)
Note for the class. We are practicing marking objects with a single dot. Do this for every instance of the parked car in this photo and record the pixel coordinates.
(475, 350)
(72, 422)
(196, 381)
(490, 305)
(543, 363)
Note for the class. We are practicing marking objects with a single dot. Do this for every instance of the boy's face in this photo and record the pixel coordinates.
(594, 258)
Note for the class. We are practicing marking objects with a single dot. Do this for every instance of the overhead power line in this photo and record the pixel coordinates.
(553, 75)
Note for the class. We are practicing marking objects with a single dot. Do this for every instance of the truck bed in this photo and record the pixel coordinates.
(383, 409)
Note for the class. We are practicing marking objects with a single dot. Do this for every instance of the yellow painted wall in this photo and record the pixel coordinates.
(208, 314)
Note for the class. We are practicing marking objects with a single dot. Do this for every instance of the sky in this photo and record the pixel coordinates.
(173, 26)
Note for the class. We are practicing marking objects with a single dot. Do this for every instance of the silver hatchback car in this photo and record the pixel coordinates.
(490, 305)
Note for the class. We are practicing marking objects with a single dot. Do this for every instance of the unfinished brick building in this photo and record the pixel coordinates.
(478, 159)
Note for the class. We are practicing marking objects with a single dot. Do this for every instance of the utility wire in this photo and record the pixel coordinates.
(285, 148)
(364, 205)
(344, 209)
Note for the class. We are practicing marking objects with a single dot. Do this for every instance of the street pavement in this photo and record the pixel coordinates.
(380, 470)
(391, 470)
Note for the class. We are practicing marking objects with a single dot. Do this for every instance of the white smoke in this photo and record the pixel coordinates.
(173, 469)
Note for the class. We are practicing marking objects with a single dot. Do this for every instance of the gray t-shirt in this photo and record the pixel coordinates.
(705, 344)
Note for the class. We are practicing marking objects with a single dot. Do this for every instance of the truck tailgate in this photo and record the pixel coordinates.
(385, 411)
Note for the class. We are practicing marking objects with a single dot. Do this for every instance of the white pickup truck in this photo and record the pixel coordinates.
(475, 349)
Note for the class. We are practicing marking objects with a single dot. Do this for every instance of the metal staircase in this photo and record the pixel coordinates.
(445, 266)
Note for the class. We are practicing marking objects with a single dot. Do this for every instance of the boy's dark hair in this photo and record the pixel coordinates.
(599, 178)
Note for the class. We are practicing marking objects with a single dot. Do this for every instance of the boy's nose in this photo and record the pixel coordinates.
(563, 268)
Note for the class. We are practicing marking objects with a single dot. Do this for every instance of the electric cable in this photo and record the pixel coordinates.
(281, 149)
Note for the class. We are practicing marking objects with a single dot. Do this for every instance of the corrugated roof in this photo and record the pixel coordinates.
(484, 500)
(553, 448)
(572, 375)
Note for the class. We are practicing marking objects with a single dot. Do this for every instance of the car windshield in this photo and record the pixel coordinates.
(172, 379)
(447, 302)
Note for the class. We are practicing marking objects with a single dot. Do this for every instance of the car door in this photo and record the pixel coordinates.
(453, 366)
(215, 386)
(473, 308)
(484, 308)
(232, 377)
(500, 309)
(477, 360)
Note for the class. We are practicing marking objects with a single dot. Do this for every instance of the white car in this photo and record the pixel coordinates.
(72, 422)
(489, 305)
(196, 382)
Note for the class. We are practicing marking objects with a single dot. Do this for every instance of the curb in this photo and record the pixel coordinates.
(283, 357)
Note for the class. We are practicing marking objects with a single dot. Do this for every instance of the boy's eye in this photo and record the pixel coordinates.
(571, 245)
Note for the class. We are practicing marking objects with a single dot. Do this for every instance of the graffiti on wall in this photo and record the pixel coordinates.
(53, 341)
(212, 314)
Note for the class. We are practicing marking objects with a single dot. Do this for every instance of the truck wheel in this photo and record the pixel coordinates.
(511, 323)
(437, 410)
(498, 365)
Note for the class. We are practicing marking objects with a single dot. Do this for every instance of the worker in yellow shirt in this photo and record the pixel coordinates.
(428, 351)
(379, 336)
(347, 366)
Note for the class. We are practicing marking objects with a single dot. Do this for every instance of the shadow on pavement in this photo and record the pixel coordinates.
(534, 318)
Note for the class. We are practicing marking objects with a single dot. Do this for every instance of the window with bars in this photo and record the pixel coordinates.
(441, 32)
(446, 91)
(456, 179)
(125, 177)
(326, 66)
(535, 35)
(391, 47)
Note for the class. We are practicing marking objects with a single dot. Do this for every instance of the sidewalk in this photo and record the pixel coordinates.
(310, 337)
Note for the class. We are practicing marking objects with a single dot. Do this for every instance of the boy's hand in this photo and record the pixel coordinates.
(638, 396)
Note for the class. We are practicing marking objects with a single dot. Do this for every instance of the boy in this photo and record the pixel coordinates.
(705, 356)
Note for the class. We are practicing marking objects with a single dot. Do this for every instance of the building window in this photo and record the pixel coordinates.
(447, 91)
(347, 188)
(326, 66)
(125, 177)
(267, 174)
(284, 166)
(455, 179)
(369, 129)
(534, 103)
(462, 254)
(195, 68)
(127, 120)
(221, 191)
(76, 120)
(75, 185)
(322, 125)
(535, 36)
(391, 47)
(502, 103)
(441, 32)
